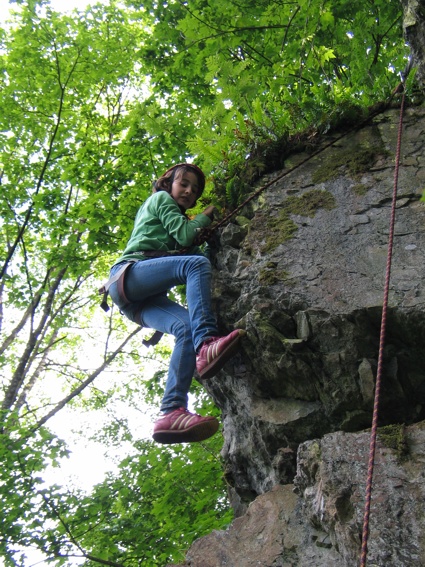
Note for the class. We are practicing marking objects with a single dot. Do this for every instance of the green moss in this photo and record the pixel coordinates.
(393, 437)
(325, 172)
(269, 275)
(362, 161)
(360, 189)
(281, 227)
(308, 204)
(355, 163)
(315, 456)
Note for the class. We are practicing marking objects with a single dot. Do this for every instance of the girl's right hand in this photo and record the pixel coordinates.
(209, 211)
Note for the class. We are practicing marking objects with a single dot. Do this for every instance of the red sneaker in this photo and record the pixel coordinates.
(215, 352)
(181, 426)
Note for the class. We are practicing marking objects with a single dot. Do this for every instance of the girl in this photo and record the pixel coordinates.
(162, 254)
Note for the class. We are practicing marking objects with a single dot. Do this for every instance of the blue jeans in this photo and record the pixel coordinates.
(149, 281)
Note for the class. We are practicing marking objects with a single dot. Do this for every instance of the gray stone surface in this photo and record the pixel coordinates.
(312, 304)
(318, 522)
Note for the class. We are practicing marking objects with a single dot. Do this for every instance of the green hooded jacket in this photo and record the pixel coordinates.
(160, 225)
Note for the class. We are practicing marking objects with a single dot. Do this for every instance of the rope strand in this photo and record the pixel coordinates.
(372, 446)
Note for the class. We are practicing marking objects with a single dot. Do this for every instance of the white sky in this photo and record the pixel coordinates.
(58, 5)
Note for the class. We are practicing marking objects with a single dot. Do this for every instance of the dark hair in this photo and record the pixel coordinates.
(165, 182)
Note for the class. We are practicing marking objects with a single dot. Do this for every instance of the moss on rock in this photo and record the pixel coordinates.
(281, 227)
(354, 162)
(270, 275)
(360, 189)
(393, 437)
(308, 204)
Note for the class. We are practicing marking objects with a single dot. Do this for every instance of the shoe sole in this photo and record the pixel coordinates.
(217, 364)
(194, 434)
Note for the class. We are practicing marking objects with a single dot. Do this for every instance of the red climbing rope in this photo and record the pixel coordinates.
(373, 433)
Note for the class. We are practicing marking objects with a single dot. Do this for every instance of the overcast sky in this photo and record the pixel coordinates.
(58, 5)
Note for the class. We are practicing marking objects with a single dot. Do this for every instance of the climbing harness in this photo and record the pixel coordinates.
(373, 434)
(119, 278)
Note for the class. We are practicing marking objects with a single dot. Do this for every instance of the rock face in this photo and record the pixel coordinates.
(303, 271)
(320, 523)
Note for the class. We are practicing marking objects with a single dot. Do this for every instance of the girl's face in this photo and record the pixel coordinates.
(184, 189)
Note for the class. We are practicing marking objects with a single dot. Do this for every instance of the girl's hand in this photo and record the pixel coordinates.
(209, 211)
(203, 236)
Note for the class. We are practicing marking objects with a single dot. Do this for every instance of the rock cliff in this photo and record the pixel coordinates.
(303, 271)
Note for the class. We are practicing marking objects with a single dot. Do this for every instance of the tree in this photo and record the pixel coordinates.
(65, 162)
(62, 119)
(149, 515)
(92, 108)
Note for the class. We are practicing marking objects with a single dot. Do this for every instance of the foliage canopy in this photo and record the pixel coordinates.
(94, 105)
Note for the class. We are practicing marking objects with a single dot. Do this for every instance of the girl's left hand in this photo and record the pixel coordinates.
(203, 236)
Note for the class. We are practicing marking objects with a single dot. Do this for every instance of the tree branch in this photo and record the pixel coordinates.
(46, 162)
(19, 374)
(86, 382)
